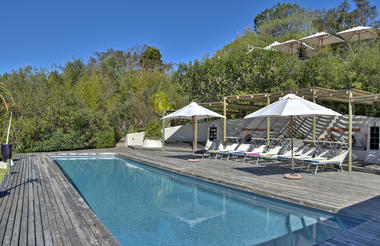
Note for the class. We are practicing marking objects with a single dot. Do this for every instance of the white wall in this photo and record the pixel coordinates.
(134, 139)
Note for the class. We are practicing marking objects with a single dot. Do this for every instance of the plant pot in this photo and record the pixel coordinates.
(6, 151)
(152, 143)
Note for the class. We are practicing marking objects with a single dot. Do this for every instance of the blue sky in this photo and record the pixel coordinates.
(45, 32)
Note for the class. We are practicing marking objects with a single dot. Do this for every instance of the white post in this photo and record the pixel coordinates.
(9, 129)
(291, 142)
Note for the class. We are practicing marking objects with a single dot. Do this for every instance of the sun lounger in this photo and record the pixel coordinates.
(226, 151)
(213, 149)
(338, 159)
(270, 153)
(241, 150)
(255, 153)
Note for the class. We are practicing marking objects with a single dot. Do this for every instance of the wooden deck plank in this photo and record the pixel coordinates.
(40, 207)
(23, 239)
(45, 224)
(31, 234)
(52, 226)
(9, 181)
(77, 219)
(56, 215)
(39, 235)
(95, 231)
(57, 193)
(14, 206)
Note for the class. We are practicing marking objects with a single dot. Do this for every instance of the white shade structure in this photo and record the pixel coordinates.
(292, 47)
(321, 39)
(193, 112)
(292, 106)
(358, 33)
(270, 47)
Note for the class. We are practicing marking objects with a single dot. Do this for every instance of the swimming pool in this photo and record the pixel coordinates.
(143, 205)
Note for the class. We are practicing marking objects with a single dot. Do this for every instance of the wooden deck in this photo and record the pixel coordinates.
(40, 207)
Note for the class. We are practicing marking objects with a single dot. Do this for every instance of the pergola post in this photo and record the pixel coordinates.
(268, 123)
(314, 117)
(195, 134)
(163, 131)
(224, 120)
(350, 130)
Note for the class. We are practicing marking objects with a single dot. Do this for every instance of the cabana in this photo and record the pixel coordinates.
(238, 104)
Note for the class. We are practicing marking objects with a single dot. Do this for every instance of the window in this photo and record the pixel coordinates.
(212, 136)
(374, 137)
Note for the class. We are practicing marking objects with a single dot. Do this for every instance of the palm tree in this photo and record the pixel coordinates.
(4, 92)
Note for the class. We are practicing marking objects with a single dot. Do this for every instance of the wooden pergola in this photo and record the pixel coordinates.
(236, 103)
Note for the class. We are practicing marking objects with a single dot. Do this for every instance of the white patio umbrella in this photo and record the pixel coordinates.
(292, 47)
(358, 33)
(193, 112)
(292, 106)
(321, 39)
(270, 47)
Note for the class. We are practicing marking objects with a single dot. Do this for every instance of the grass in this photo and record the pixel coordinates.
(2, 174)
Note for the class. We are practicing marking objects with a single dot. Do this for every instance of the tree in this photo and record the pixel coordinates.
(364, 13)
(73, 71)
(284, 18)
(151, 58)
(5, 95)
(341, 18)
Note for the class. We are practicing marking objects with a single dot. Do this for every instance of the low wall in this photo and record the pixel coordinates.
(134, 139)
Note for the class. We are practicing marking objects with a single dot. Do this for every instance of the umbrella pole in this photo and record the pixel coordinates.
(193, 135)
(291, 142)
(196, 134)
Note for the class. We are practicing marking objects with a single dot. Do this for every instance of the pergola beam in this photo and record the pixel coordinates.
(349, 131)
(224, 120)
(366, 98)
(220, 105)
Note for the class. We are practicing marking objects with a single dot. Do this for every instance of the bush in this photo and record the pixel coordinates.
(60, 141)
(105, 139)
(153, 130)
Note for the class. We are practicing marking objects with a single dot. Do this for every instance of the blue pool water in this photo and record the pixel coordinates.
(143, 205)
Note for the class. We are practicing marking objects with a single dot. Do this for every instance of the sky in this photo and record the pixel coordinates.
(42, 33)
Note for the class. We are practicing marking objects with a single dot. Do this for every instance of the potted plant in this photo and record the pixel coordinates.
(153, 135)
(6, 149)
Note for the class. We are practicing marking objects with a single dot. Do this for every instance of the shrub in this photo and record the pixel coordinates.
(153, 130)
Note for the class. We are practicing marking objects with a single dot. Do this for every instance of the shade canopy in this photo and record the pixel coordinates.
(292, 105)
(358, 33)
(193, 111)
(321, 39)
(292, 47)
(270, 47)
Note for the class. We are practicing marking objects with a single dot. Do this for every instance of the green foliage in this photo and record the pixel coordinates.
(153, 130)
(285, 19)
(151, 58)
(340, 18)
(160, 102)
(90, 90)
(86, 105)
